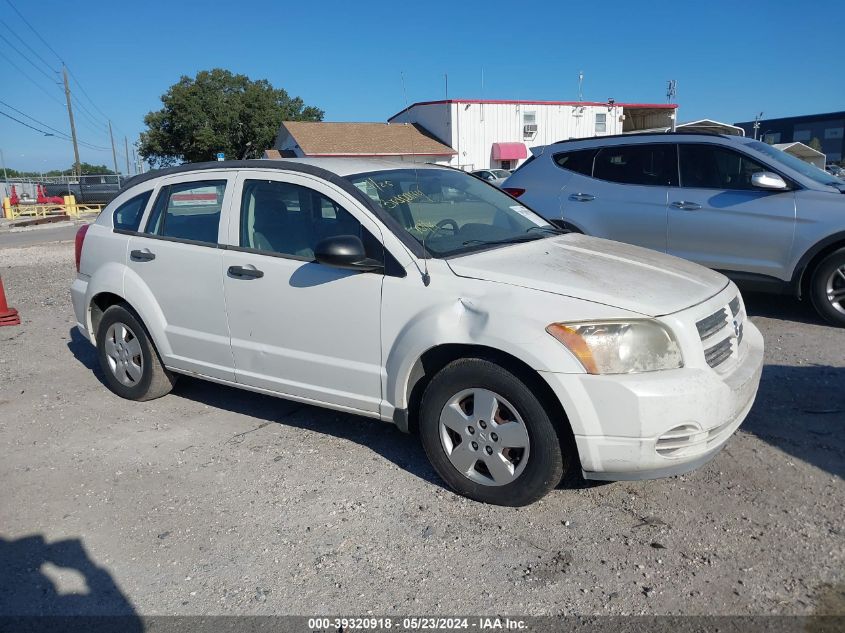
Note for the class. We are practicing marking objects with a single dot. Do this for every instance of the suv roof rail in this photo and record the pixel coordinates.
(630, 134)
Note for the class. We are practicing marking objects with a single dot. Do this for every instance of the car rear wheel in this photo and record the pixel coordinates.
(130, 362)
(488, 436)
(827, 288)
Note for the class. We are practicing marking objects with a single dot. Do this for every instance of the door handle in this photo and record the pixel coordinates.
(686, 206)
(582, 197)
(142, 256)
(242, 272)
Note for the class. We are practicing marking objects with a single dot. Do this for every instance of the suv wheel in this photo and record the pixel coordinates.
(827, 288)
(488, 436)
(130, 362)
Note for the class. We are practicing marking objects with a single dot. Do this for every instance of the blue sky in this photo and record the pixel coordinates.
(730, 59)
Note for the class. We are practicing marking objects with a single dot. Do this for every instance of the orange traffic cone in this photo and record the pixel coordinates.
(8, 316)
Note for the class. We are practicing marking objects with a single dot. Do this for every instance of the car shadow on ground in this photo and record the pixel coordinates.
(58, 580)
(785, 307)
(801, 411)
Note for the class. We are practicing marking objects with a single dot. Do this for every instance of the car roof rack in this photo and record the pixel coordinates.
(636, 134)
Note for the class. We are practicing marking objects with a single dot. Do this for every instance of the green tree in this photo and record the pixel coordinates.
(90, 170)
(815, 143)
(217, 111)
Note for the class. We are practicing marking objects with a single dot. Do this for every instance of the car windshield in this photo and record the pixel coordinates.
(449, 211)
(501, 173)
(804, 168)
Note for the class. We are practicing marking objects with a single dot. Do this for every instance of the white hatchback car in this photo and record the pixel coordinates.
(424, 297)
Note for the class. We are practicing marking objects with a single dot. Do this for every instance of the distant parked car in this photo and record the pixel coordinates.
(730, 203)
(835, 170)
(517, 352)
(493, 176)
(97, 189)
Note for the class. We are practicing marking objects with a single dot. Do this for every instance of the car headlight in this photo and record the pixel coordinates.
(620, 347)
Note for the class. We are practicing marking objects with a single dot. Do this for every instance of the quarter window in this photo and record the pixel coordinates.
(188, 211)
(580, 162)
(288, 219)
(127, 216)
(714, 167)
(653, 165)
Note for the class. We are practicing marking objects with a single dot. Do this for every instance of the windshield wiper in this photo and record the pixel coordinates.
(548, 229)
(508, 240)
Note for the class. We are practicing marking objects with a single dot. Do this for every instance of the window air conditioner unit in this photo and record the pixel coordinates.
(529, 128)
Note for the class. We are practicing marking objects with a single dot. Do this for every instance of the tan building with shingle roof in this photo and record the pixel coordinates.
(402, 141)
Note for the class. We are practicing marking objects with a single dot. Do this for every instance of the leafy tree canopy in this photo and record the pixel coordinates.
(218, 111)
(87, 169)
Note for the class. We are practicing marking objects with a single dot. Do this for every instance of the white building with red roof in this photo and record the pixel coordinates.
(499, 133)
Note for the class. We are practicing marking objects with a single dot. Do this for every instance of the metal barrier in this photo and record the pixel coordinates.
(69, 207)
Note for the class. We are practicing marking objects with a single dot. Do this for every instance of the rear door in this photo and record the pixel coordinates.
(717, 218)
(620, 192)
(176, 259)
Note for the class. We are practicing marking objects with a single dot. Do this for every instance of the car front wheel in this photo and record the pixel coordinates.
(128, 359)
(488, 436)
(828, 288)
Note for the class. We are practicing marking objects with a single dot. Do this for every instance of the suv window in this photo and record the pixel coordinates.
(715, 167)
(580, 161)
(128, 215)
(188, 211)
(288, 219)
(638, 164)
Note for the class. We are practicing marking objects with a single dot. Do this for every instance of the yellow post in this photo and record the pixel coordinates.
(70, 206)
(7, 208)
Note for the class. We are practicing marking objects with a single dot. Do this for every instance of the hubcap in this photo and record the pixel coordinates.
(123, 352)
(484, 437)
(835, 288)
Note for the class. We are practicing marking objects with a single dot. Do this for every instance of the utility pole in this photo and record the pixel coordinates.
(76, 166)
(141, 168)
(126, 145)
(113, 152)
(3, 161)
(757, 124)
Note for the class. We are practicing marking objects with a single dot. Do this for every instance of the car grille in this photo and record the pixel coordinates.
(725, 326)
(689, 439)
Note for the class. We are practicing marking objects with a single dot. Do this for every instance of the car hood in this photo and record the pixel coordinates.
(612, 273)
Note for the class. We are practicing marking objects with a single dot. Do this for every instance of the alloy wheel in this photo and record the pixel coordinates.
(124, 355)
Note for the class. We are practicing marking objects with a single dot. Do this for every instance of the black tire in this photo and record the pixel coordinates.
(155, 381)
(824, 273)
(544, 466)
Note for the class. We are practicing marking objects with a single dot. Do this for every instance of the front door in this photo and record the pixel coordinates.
(717, 218)
(298, 327)
(175, 261)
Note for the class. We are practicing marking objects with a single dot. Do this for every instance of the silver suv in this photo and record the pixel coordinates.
(753, 212)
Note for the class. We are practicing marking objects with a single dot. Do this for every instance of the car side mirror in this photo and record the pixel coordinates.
(345, 251)
(768, 180)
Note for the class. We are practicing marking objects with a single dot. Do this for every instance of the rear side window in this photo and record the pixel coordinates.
(580, 161)
(714, 167)
(127, 216)
(645, 164)
(188, 211)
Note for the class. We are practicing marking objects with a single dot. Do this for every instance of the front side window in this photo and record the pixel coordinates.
(715, 167)
(188, 211)
(448, 211)
(127, 217)
(288, 219)
(653, 165)
(793, 162)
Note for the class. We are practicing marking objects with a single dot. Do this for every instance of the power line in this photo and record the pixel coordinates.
(58, 133)
(34, 65)
(35, 83)
(87, 96)
(23, 41)
(32, 28)
(32, 118)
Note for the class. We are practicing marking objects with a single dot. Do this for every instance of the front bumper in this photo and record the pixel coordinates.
(658, 424)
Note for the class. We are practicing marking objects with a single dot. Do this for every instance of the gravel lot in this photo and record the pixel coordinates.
(217, 501)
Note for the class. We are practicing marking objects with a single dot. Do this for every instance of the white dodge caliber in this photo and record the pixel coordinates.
(424, 297)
